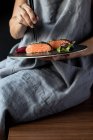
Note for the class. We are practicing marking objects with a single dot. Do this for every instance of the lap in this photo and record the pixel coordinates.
(42, 91)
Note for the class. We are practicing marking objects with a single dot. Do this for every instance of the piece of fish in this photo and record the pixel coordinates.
(38, 48)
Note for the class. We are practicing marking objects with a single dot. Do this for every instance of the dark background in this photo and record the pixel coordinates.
(6, 41)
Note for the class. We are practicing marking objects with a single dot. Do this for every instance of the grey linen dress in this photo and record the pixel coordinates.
(32, 88)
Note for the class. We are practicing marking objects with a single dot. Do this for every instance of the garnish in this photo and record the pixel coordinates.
(21, 50)
(66, 48)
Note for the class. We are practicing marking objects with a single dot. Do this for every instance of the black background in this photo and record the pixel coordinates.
(6, 41)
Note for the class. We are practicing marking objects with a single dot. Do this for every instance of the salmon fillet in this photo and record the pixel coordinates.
(38, 48)
(57, 43)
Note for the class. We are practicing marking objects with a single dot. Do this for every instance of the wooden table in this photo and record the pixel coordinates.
(73, 124)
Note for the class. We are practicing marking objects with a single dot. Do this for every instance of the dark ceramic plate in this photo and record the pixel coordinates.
(76, 49)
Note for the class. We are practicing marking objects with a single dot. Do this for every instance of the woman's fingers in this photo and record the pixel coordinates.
(61, 57)
(46, 59)
(20, 20)
(26, 16)
(56, 58)
(31, 13)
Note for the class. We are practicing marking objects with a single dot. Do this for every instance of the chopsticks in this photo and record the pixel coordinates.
(34, 30)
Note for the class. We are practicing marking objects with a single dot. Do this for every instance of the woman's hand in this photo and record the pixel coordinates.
(56, 58)
(26, 16)
(65, 56)
(23, 16)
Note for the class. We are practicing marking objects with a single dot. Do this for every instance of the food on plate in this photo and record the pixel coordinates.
(21, 50)
(62, 45)
(57, 43)
(38, 48)
(67, 48)
(59, 46)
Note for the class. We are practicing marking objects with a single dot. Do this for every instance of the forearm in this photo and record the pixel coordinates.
(23, 16)
(16, 30)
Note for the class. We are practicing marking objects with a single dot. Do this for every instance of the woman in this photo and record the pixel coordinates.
(34, 88)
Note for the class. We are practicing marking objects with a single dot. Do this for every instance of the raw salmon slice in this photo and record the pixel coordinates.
(57, 43)
(38, 48)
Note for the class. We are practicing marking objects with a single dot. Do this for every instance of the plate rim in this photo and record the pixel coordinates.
(14, 55)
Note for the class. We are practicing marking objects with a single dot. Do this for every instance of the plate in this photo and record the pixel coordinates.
(76, 49)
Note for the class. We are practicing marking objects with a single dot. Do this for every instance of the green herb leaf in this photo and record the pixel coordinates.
(59, 49)
(65, 48)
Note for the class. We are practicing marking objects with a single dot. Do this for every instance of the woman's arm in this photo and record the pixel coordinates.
(22, 17)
